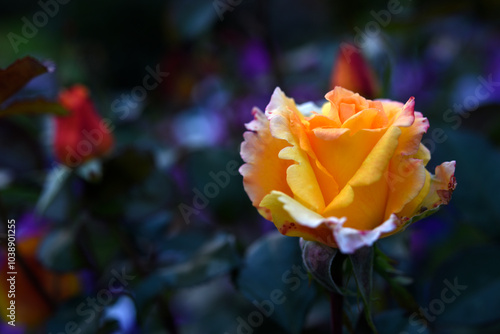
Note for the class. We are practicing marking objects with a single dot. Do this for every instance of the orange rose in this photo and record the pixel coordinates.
(82, 135)
(344, 176)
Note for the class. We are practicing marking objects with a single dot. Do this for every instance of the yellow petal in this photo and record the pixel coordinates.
(342, 154)
(423, 153)
(327, 184)
(375, 164)
(292, 218)
(366, 119)
(263, 170)
(405, 178)
(300, 174)
(363, 206)
(414, 206)
(363, 199)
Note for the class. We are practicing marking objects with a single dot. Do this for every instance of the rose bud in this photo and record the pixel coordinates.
(81, 135)
(345, 175)
(351, 71)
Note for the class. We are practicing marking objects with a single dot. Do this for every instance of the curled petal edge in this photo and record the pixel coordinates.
(349, 239)
(293, 219)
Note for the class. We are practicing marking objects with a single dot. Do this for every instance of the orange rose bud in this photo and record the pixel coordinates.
(31, 306)
(344, 174)
(82, 135)
(352, 72)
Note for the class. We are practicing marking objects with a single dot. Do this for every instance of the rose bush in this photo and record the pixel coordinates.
(344, 174)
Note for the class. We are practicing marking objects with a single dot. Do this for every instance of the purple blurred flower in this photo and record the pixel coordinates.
(30, 225)
(8, 329)
(255, 60)
(425, 234)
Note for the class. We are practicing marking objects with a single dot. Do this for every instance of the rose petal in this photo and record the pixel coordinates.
(260, 152)
(414, 206)
(423, 153)
(406, 117)
(366, 119)
(293, 219)
(363, 199)
(300, 176)
(375, 164)
(405, 178)
(443, 184)
(342, 154)
(349, 240)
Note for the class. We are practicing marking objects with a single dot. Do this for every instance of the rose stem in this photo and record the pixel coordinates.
(336, 299)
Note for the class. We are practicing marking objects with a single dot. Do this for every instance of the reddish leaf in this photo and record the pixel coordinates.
(18, 74)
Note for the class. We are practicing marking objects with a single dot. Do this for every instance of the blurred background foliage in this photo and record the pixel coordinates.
(205, 274)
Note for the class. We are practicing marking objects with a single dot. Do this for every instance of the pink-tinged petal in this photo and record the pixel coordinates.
(349, 239)
(411, 138)
(391, 108)
(293, 219)
(443, 184)
(260, 151)
(407, 115)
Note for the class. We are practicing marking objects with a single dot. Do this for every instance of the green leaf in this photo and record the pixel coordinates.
(275, 276)
(54, 181)
(38, 106)
(17, 75)
(318, 260)
(382, 264)
(58, 250)
(214, 257)
(362, 267)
